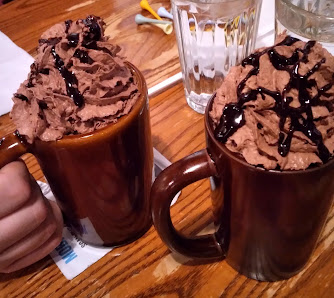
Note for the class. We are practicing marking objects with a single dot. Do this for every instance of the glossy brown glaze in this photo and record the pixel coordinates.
(12, 146)
(267, 222)
(102, 180)
(180, 174)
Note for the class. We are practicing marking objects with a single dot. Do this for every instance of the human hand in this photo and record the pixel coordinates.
(30, 225)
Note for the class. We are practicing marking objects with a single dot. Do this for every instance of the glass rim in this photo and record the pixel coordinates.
(309, 13)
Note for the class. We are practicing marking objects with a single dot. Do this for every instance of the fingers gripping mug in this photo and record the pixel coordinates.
(101, 180)
(266, 222)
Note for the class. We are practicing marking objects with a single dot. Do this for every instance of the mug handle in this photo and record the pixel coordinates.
(12, 146)
(196, 166)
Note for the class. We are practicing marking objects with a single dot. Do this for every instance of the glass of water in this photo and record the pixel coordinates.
(212, 36)
(307, 19)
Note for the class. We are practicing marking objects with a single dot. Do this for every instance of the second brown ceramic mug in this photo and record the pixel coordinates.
(101, 180)
(266, 222)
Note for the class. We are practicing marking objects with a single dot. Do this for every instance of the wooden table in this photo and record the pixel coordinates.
(146, 268)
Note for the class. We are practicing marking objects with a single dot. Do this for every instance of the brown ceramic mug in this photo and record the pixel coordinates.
(101, 180)
(266, 222)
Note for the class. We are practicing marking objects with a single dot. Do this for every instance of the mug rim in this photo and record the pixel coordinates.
(237, 156)
(111, 128)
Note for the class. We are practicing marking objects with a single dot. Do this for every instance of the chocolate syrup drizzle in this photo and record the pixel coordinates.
(45, 71)
(43, 105)
(21, 96)
(73, 39)
(94, 34)
(233, 114)
(70, 79)
(89, 41)
(83, 56)
(30, 84)
(34, 71)
(68, 24)
(51, 41)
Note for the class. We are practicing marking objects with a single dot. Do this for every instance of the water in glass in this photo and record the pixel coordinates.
(212, 36)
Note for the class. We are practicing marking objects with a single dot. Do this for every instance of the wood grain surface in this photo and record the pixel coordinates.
(146, 268)
(146, 46)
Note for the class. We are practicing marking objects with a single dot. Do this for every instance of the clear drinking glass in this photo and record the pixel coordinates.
(212, 36)
(307, 19)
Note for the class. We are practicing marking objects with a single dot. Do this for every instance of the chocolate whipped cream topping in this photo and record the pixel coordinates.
(77, 84)
(276, 108)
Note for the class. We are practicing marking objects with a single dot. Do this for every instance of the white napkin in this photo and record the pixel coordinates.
(14, 67)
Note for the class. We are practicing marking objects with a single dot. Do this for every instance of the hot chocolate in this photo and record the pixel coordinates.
(77, 84)
(276, 108)
(83, 113)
